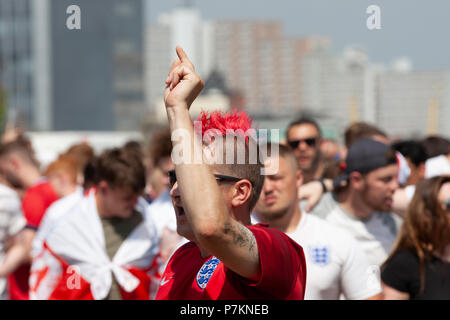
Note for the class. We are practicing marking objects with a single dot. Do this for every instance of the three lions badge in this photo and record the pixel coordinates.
(206, 271)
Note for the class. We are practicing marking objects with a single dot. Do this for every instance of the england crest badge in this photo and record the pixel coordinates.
(206, 271)
(320, 255)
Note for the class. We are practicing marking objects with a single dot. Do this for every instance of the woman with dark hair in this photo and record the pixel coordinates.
(419, 264)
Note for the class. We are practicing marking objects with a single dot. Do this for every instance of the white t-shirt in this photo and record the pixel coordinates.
(11, 222)
(376, 235)
(437, 166)
(335, 263)
(163, 213)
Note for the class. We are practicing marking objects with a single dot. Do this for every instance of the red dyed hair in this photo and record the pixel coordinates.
(218, 122)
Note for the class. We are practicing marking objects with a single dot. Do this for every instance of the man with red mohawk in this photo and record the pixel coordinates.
(227, 257)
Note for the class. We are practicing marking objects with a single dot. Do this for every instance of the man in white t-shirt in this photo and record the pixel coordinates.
(363, 198)
(336, 265)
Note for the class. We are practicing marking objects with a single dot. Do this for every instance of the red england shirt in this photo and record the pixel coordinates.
(283, 272)
(35, 202)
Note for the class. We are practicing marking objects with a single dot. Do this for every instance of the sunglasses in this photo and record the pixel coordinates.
(311, 142)
(447, 205)
(220, 177)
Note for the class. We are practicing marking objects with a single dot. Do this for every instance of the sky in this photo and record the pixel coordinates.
(415, 29)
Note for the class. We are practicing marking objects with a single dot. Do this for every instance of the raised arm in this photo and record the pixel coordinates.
(205, 208)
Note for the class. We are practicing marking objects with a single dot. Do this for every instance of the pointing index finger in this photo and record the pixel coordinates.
(183, 56)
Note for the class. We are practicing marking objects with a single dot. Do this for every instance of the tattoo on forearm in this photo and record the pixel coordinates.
(241, 236)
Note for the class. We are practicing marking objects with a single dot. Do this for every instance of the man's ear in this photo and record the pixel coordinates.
(103, 186)
(356, 180)
(15, 162)
(242, 191)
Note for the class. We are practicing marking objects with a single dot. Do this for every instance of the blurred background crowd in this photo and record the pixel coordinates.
(68, 95)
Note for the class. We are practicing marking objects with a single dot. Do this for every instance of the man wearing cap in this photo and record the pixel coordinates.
(362, 198)
(336, 264)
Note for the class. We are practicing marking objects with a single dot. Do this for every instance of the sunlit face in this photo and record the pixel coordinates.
(183, 227)
(118, 202)
(279, 192)
(379, 187)
(306, 154)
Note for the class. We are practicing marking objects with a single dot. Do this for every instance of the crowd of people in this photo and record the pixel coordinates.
(366, 220)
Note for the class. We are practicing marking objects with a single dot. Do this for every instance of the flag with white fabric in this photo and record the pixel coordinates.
(73, 262)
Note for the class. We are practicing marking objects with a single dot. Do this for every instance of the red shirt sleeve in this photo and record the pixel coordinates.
(283, 266)
(34, 207)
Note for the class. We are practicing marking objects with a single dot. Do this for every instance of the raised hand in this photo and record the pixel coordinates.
(183, 84)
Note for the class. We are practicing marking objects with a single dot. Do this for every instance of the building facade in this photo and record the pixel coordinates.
(73, 79)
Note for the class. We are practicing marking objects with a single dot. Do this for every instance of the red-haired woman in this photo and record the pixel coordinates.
(419, 265)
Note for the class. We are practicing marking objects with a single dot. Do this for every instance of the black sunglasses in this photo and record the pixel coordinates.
(447, 205)
(173, 178)
(311, 142)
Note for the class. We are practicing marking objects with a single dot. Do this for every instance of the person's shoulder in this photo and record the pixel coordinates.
(9, 198)
(435, 166)
(64, 202)
(402, 264)
(266, 231)
(162, 203)
(42, 185)
(163, 198)
(273, 237)
(264, 227)
(325, 205)
(68, 210)
(187, 250)
(62, 206)
(389, 221)
(326, 230)
(337, 214)
(329, 198)
(406, 257)
(38, 191)
(6, 191)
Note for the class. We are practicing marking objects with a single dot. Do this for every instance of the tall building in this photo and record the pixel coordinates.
(260, 65)
(183, 27)
(16, 59)
(339, 89)
(263, 64)
(275, 77)
(78, 79)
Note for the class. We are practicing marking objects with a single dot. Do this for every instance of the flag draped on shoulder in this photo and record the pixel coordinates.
(74, 264)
